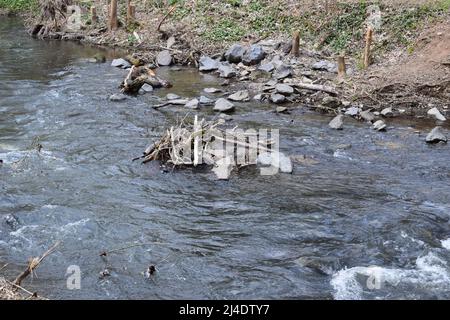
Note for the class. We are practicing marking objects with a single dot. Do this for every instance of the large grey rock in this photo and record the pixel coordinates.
(235, 53)
(241, 95)
(223, 105)
(192, 104)
(436, 135)
(268, 67)
(367, 116)
(434, 112)
(226, 70)
(117, 97)
(337, 123)
(387, 112)
(283, 71)
(276, 159)
(205, 100)
(324, 65)
(277, 98)
(208, 64)
(254, 55)
(379, 125)
(120, 63)
(284, 89)
(164, 58)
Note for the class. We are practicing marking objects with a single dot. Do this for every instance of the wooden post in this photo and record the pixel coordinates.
(367, 58)
(113, 25)
(295, 44)
(94, 17)
(130, 12)
(342, 71)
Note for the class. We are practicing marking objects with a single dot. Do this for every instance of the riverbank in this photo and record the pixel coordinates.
(409, 56)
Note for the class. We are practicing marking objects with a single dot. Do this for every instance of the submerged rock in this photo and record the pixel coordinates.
(242, 95)
(117, 97)
(379, 125)
(164, 58)
(146, 88)
(436, 135)
(11, 221)
(254, 55)
(235, 53)
(212, 90)
(172, 96)
(120, 63)
(223, 105)
(208, 64)
(337, 123)
(434, 112)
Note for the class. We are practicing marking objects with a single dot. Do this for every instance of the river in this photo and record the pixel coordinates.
(367, 217)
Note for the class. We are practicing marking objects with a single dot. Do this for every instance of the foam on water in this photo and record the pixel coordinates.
(431, 273)
(446, 244)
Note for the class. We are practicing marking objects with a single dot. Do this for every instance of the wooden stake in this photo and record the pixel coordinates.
(295, 44)
(367, 58)
(130, 13)
(113, 24)
(342, 71)
(94, 17)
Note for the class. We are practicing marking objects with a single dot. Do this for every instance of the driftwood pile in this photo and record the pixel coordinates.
(207, 143)
(138, 76)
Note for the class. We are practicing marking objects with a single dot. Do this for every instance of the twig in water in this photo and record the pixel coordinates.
(33, 264)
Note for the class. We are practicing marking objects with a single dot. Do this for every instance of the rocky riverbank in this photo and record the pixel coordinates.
(409, 74)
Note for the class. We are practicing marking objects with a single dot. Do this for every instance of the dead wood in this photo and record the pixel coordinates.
(33, 263)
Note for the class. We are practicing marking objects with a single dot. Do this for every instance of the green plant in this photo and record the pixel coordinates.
(225, 30)
(18, 5)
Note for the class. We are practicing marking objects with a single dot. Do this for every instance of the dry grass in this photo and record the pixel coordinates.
(7, 292)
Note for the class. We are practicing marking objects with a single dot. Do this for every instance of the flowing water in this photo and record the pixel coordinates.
(366, 216)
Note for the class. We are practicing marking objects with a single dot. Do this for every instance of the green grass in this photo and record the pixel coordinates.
(18, 5)
(401, 25)
(224, 30)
